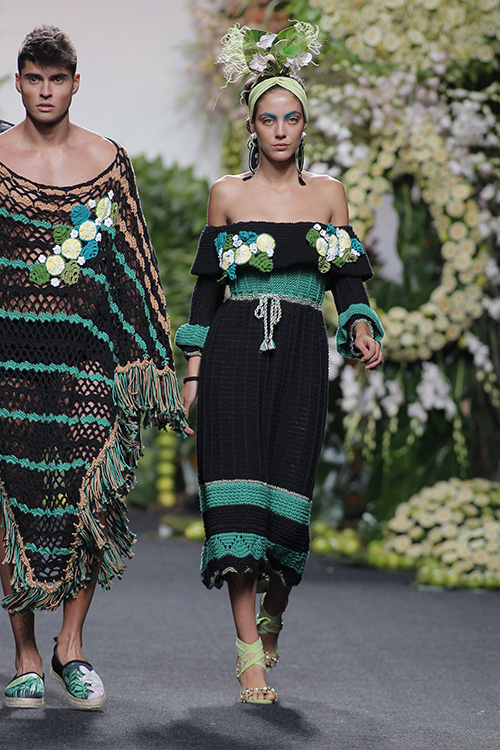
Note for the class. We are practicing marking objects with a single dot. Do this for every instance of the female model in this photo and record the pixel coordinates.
(278, 237)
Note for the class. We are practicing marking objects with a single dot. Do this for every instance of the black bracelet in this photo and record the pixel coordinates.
(191, 377)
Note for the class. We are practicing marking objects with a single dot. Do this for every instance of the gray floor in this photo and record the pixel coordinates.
(368, 663)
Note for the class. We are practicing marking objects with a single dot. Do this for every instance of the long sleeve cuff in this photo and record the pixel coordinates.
(356, 312)
(191, 337)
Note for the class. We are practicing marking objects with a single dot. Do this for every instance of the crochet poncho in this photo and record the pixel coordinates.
(85, 360)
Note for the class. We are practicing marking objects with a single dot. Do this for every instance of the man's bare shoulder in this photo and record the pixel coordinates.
(9, 142)
(93, 146)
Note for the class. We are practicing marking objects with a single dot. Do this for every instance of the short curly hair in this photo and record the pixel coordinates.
(48, 47)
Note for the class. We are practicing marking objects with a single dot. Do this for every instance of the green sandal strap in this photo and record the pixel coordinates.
(267, 623)
(248, 655)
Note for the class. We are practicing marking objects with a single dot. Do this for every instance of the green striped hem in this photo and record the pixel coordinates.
(59, 418)
(53, 367)
(242, 545)
(54, 512)
(288, 504)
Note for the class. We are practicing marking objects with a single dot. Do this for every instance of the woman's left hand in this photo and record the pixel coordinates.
(370, 349)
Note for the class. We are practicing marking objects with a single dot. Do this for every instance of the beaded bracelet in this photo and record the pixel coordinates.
(191, 377)
(354, 350)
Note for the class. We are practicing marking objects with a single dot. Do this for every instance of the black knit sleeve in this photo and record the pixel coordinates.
(353, 306)
(207, 297)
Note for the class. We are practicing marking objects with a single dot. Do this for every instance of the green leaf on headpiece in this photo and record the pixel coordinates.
(250, 48)
(281, 60)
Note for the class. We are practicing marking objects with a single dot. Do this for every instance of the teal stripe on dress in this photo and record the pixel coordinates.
(14, 263)
(59, 418)
(241, 545)
(22, 219)
(46, 552)
(290, 505)
(54, 367)
(55, 512)
(59, 318)
(41, 465)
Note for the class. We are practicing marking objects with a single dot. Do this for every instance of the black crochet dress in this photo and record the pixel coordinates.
(263, 383)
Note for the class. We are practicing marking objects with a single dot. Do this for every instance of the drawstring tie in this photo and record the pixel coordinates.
(271, 315)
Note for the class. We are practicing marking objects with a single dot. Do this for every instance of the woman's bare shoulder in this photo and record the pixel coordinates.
(325, 182)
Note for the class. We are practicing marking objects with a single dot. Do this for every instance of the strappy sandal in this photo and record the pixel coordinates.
(248, 655)
(25, 691)
(267, 623)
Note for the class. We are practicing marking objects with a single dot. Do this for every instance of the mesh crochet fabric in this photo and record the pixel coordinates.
(263, 392)
(85, 359)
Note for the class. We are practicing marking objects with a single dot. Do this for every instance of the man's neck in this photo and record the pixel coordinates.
(40, 135)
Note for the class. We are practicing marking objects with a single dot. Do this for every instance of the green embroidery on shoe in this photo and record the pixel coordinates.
(25, 686)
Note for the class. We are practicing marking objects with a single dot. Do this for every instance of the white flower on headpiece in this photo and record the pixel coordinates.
(266, 40)
(298, 62)
(74, 233)
(80, 260)
(259, 62)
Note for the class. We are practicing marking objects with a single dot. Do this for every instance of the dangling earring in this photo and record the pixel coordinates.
(253, 155)
(299, 157)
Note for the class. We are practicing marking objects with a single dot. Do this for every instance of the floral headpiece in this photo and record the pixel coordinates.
(246, 50)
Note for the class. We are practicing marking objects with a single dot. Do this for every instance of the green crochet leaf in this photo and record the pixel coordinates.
(39, 274)
(61, 233)
(262, 262)
(323, 264)
(71, 272)
(312, 236)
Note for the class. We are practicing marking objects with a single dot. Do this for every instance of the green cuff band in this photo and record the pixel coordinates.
(362, 311)
(191, 335)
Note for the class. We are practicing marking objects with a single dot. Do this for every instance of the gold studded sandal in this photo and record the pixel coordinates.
(248, 655)
(267, 623)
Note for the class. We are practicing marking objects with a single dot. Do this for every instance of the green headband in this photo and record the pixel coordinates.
(290, 84)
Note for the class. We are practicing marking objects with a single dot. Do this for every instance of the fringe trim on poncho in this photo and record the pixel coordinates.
(140, 390)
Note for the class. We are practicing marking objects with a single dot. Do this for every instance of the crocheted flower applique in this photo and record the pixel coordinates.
(76, 244)
(245, 247)
(334, 246)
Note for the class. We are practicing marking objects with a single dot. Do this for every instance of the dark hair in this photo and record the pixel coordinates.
(256, 78)
(49, 47)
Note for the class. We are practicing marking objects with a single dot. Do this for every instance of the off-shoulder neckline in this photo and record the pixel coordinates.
(66, 188)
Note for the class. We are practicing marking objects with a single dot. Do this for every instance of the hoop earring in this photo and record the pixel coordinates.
(254, 153)
(299, 157)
